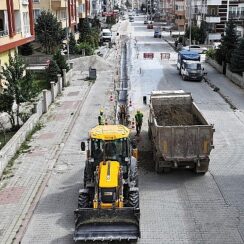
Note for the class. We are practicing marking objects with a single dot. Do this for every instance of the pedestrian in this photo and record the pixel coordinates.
(101, 118)
(139, 120)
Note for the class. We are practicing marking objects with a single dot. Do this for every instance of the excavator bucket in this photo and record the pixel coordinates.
(107, 224)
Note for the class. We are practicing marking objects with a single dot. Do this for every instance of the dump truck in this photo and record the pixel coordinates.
(108, 204)
(180, 135)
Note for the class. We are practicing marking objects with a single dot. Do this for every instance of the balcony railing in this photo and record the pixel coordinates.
(213, 19)
(3, 33)
(214, 2)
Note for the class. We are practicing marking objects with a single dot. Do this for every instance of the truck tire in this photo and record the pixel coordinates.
(133, 172)
(203, 167)
(85, 177)
(133, 199)
(83, 200)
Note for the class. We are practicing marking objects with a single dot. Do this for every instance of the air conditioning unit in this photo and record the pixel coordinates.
(25, 2)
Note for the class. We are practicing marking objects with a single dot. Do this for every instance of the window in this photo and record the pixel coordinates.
(36, 1)
(36, 13)
(26, 22)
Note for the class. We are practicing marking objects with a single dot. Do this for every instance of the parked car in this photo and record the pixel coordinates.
(145, 21)
(195, 48)
(123, 17)
(157, 33)
(131, 19)
(150, 25)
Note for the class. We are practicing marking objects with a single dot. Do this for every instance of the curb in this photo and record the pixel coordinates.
(217, 89)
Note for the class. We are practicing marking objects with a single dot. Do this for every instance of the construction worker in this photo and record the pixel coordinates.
(139, 120)
(101, 118)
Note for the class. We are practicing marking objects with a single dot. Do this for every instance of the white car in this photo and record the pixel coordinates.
(195, 48)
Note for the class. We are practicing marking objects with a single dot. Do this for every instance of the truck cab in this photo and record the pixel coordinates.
(191, 70)
(187, 55)
(106, 35)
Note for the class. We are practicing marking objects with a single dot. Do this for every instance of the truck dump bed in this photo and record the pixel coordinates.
(180, 134)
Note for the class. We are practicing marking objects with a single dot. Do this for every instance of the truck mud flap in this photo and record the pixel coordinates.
(107, 224)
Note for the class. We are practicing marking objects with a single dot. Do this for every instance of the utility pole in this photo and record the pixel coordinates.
(189, 4)
(67, 29)
(228, 7)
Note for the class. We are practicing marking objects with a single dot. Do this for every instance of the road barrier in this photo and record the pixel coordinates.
(165, 56)
(148, 55)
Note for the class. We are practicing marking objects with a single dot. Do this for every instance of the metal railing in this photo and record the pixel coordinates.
(3, 33)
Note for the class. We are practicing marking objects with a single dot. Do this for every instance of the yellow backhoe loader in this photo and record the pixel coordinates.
(108, 205)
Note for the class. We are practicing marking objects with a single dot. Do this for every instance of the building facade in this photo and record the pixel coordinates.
(66, 11)
(16, 26)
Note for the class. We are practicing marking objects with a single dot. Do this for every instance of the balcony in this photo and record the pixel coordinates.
(180, 12)
(212, 19)
(214, 2)
(214, 36)
(57, 4)
(180, 22)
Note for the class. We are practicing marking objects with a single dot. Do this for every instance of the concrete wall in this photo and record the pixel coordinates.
(39, 107)
(235, 78)
(213, 63)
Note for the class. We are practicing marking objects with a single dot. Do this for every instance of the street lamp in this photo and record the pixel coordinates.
(190, 24)
(67, 28)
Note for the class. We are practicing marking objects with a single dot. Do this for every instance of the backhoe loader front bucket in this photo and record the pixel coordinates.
(107, 224)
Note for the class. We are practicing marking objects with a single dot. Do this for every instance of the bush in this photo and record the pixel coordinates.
(52, 71)
(237, 59)
(60, 60)
(88, 48)
(26, 49)
(211, 53)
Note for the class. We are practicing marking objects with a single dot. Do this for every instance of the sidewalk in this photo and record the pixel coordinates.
(31, 167)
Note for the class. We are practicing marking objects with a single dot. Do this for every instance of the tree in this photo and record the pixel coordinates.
(6, 104)
(72, 43)
(60, 60)
(202, 32)
(195, 33)
(14, 73)
(228, 43)
(84, 29)
(52, 71)
(49, 31)
(237, 59)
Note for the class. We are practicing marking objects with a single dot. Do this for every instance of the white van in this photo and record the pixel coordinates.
(106, 35)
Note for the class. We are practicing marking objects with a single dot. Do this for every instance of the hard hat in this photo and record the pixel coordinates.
(101, 111)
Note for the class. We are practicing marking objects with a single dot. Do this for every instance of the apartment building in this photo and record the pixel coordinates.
(16, 26)
(67, 12)
(180, 14)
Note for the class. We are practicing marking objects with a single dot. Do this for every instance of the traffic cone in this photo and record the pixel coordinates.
(133, 124)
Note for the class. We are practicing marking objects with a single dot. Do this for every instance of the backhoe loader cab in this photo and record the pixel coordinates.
(108, 206)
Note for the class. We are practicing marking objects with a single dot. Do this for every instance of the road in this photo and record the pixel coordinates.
(178, 207)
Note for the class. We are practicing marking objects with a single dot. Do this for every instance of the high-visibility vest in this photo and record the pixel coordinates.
(101, 120)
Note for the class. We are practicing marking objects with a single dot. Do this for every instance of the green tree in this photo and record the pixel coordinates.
(72, 43)
(88, 49)
(60, 60)
(6, 104)
(237, 59)
(195, 33)
(49, 31)
(202, 32)
(14, 73)
(52, 71)
(228, 43)
(84, 29)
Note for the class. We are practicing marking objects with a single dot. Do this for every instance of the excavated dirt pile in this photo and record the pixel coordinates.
(174, 116)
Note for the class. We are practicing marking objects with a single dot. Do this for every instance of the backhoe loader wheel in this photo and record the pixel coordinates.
(83, 200)
(133, 199)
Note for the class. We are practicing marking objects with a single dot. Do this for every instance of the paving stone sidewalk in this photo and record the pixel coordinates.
(30, 169)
